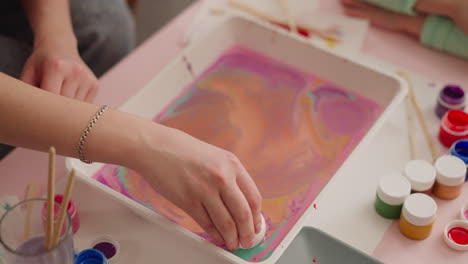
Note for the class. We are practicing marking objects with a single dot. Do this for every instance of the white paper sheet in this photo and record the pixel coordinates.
(352, 31)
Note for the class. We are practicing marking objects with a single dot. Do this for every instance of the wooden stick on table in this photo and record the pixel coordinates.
(50, 199)
(63, 208)
(412, 142)
(31, 193)
(275, 20)
(290, 17)
(422, 120)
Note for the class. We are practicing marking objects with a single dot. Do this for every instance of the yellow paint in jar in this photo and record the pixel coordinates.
(418, 216)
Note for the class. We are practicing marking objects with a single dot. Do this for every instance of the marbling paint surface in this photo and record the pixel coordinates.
(291, 130)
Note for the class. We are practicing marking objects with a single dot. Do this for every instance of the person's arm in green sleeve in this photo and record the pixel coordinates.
(441, 33)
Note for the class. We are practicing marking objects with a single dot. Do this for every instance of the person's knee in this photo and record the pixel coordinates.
(105, 31)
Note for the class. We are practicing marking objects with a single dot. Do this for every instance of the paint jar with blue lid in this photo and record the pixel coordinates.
(90, 256)
(391, 193)
(459, 149)
(450, 97)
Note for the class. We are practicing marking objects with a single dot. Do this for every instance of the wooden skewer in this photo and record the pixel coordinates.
(31, 193)
(275, 20)
(290, 18)
(63, 208)
(50, 199)
(420, 115)
(412, 145)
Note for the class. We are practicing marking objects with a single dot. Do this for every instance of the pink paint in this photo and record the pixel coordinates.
(466, 214)
(459, 235)
(314, 260)
(282, 124)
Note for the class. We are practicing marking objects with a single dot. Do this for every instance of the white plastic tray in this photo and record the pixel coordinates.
(384, 88)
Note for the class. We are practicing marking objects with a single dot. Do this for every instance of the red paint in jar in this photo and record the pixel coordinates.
(454, 126)
(459, 235)
(72, 211)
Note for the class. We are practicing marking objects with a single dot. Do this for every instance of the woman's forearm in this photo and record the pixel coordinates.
(35, 119)
(49, 19)
(209, 183)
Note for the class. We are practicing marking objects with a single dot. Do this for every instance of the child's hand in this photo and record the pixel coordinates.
(208, 183)
(56, 66)
(383, 18)
(455, 9)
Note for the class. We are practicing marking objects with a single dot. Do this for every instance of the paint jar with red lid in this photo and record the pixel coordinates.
(453, 127)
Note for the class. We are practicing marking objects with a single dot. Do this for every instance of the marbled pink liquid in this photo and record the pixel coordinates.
(291, 130)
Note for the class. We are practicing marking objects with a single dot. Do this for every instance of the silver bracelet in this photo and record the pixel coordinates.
(86, 132)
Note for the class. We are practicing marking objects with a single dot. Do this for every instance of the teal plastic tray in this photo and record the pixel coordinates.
(314, 246)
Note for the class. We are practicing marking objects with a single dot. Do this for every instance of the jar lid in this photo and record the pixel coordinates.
(419, 209)
(451, 170)
(393, 189)
(90, 256)
(455, 235)
(421, 174)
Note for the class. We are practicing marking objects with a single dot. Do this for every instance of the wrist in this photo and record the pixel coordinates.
(447, 8)
(414, 25)
(55, 39)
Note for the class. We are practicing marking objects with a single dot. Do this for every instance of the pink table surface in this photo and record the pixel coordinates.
(26, 166)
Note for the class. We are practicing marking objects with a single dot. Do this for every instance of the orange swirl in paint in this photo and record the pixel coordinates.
(290, 130)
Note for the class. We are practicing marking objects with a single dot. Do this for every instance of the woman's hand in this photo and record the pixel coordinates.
(208, 183)
(56, 66)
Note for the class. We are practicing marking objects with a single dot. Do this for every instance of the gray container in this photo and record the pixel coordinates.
(312, 244)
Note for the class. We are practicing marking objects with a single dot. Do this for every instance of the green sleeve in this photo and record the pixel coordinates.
(442, 34)
(399, 6)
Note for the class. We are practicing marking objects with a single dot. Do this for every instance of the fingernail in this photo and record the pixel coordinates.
(249, 245)
(258, 226)
(231, 248)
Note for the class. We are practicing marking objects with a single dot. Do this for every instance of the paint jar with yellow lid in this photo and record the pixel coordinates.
(418, 216)
(450, 177)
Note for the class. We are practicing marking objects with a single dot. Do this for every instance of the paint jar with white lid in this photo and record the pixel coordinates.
(391, 193)
(450, 177)
(421, 174)
(418, 216)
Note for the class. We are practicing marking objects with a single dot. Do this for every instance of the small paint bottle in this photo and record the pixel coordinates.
(453, 127)
(459, 149)
(450, 97)
(421, 175)
(418, 216)
(391, 193)
(72, 211)
(450, 177)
